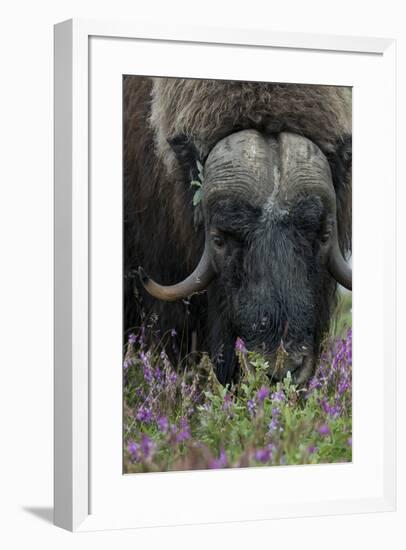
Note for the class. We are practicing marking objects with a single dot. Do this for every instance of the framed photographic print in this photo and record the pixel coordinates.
(224, 275)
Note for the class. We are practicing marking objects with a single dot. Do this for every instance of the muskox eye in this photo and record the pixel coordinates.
(325, 237)
(218, 241)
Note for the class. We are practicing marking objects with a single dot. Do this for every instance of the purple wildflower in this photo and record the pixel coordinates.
(158, 375)
(227, 402)
(172, 377)
(163, 424)
(147, 445)
(334, 375)
(314, 384)
(273, 425)
(343, 386)
(278, 396)
(134, 450)
(349, 346)
(173, 333)
(184, 432)
(349, 441)
(251, 406)
(146, 362)
(311, 449)
(144, 415)
(324, 430)
(132, 338)
(332, 410)
(240, 346)
(263, 455)
(220, 462)
(339, 356)
(262, 394)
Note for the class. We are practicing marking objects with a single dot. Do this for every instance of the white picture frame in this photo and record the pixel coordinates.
(87, 495)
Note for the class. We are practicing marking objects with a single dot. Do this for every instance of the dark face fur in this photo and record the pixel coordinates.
(272, 288)
(268, 231)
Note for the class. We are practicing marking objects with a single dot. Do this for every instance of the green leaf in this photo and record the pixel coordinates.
(197, 197)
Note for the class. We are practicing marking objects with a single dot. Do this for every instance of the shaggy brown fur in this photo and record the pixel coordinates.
(154, 204)
(208, 110)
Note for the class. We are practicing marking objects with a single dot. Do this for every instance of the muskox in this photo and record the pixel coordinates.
(237, 215)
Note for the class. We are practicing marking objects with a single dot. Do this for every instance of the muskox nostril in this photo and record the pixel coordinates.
(297, 361)
(263, 324)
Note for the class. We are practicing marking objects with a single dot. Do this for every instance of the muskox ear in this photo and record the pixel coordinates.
(187, 155)
(340, 159)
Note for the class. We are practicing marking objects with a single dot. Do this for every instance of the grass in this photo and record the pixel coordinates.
(182, 419)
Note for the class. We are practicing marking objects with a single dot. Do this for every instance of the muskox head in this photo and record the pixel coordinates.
(272, 257)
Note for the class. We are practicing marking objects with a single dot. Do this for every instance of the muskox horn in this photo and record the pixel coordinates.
(199, 280)
(307, 166)
(337, 265)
